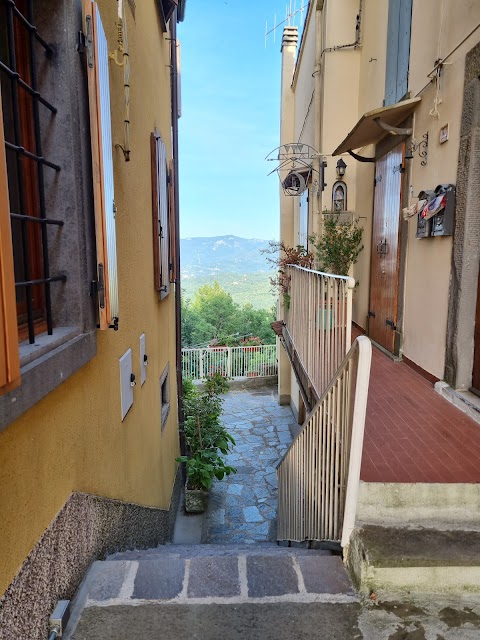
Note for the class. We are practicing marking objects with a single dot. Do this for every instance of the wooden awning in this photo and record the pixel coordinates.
(375, 125)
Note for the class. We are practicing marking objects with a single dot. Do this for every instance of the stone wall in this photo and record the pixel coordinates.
(87, 528)
(466, 242)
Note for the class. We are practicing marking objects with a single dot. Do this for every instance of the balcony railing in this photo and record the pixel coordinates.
(318, 321)
(233, 362)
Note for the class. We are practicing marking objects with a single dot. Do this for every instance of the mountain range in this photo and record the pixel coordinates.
(236, 263)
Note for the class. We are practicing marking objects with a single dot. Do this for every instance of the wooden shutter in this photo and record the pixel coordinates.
(102, 164)
(404, 28)
(398, 50)
(9, 354)
(161, 215)
(171, 222)
(303, 222)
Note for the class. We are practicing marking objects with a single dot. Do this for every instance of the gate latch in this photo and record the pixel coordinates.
(371, 314)
(391, 324)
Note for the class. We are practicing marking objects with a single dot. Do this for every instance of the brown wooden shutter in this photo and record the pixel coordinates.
(102, 164)
(9, 354)
(161, 215)
(171, 201)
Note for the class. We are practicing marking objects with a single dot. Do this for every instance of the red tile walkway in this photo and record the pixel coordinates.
(412, 434)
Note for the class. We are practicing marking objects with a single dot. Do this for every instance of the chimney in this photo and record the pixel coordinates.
(287, 125)
(290, 38)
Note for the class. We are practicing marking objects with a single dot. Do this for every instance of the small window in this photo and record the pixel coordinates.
(165, 395)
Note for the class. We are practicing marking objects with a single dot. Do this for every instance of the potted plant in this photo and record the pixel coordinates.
(202, 468)
(282, 256)
(207, 441)
(251, 344)
(339, 246)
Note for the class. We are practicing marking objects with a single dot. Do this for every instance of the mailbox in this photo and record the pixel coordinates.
(443, 221)
(424, 227)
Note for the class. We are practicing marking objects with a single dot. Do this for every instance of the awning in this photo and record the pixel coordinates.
(375, 125)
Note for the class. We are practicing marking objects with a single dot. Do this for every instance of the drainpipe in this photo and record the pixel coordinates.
(317, 74)
(176, 204)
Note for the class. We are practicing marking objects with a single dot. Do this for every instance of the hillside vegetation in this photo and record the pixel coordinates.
(235, 263)
(213, 315)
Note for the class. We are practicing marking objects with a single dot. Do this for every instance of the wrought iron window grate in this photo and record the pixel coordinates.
(22, 36)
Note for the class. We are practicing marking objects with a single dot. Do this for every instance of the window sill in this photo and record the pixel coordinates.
(45, 343)
(44, 367)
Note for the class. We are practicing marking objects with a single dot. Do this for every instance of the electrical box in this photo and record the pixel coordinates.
(424, 227)
(143, 359)
(127, 382)
(443, 222)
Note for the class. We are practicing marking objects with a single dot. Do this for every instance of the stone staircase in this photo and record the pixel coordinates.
(415, 560)
(224, 591)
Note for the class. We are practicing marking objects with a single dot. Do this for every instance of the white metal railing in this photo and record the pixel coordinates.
(319, 321)
(233, 362)
(318, 478)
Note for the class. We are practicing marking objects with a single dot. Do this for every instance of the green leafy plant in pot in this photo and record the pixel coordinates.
(339, 246)
(208, 441)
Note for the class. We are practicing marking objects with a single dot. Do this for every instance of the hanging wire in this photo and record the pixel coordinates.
(122, 38)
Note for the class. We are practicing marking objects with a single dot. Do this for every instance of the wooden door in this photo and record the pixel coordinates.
(385, 242)
(476, 354)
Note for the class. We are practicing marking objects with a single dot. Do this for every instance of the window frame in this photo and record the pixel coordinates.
(164, 384)
(162, 215)
(54, 358)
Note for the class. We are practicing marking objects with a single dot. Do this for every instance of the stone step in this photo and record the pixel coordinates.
(203, 550)
(226, 575)
(420, 560)
(290, 621)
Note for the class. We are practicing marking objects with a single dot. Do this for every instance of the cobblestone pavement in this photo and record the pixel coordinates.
(243, 507)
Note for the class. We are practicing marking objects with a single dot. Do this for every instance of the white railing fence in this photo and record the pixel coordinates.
(319, 321)
(233, 362)
(318, 478)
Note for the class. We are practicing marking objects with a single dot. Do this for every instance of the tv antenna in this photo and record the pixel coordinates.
(291, 13)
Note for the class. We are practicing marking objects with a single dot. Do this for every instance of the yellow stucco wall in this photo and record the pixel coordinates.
(74, 440)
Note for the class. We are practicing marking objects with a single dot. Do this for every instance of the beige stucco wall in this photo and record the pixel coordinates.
(74, 440)
(370, 96)
(429, 260)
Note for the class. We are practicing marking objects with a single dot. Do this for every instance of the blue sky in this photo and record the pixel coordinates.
(230, 118)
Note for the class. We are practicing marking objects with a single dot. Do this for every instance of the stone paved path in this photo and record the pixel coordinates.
(243, 506)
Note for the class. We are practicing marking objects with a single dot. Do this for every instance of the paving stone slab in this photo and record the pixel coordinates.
(159, 579)
(267, 576)
(108, 579)
(210, 577)
(324, 575)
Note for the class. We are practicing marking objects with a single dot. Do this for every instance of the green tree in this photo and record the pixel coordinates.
(213, 314)
(216, 307)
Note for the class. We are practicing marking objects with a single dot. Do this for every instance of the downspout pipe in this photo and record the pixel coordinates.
(176, 204)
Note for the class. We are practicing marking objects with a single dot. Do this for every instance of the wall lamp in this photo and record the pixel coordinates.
(341, 168)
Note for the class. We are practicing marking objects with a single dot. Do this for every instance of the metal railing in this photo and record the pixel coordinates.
(233, 362)
(318, 478)
(319, 321)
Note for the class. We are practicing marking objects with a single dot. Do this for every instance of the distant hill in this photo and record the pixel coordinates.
(222, 253)
(236, 263)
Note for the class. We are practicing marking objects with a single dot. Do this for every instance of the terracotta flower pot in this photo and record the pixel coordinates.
(196, 500)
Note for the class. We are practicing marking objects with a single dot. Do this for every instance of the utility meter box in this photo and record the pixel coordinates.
(424, 227)
(443, 222)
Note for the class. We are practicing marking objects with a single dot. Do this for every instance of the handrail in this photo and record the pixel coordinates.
(319, 321)
(318, 478)
(350, 281)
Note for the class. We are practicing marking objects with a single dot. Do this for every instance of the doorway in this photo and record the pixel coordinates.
(383, 307)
